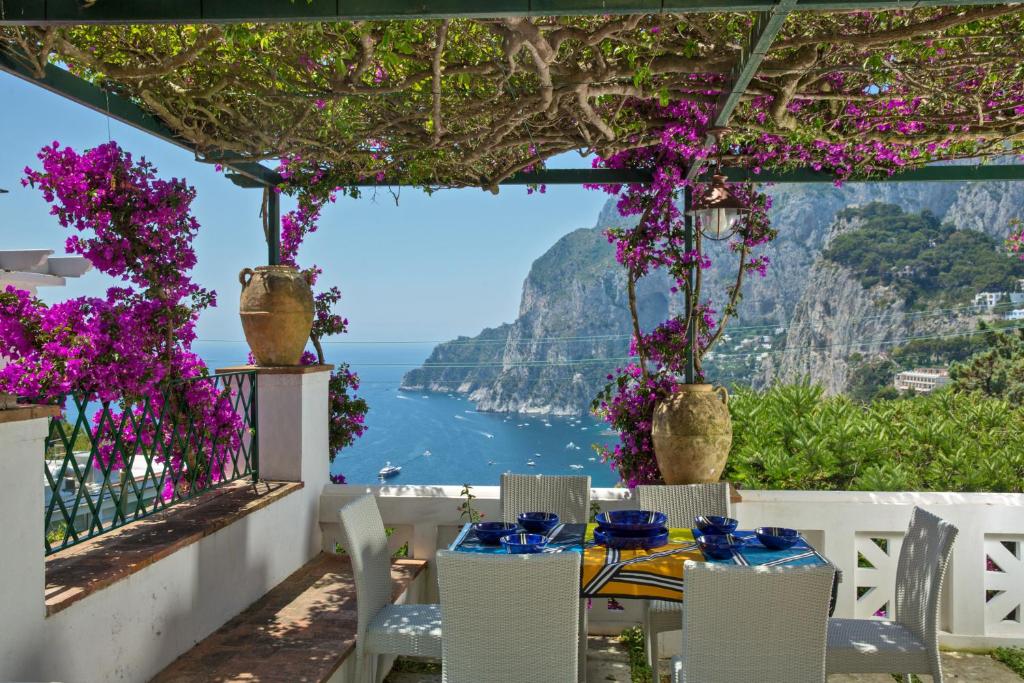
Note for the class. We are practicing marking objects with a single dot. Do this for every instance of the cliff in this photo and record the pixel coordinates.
(573, 325)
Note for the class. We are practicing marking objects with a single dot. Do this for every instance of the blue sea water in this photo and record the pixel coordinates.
(442, 438)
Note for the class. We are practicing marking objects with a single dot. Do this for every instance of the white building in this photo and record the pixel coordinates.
(1016, 314)
(30, 269)
(922, 380)
(988, 300)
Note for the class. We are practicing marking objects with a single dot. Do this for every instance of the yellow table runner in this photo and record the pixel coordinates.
(655, 573)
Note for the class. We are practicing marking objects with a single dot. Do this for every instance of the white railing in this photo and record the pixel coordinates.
(861, 532)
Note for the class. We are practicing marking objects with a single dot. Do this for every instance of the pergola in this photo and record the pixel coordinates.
(32, 48)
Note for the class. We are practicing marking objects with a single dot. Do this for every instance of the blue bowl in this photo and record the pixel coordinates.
(490, 533)
(718, 546)
(631, 540)
(522, 544)
(714, 524)
(538, 522)
(777, 537)
(631, 520)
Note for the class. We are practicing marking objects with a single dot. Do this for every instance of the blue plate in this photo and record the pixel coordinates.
(714, 524)
(538, 522)
(631, 520)
(523, 544)
(777, 537)
(490, 533)
(631, 541)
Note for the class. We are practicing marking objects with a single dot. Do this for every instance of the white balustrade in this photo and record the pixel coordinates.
(860, 532)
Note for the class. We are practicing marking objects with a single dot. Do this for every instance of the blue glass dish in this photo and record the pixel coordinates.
(538, 522)
(490, 533)
(718, 546)
(777, 537)
(631, 540)
(715, 524)
(631, 520)
(522, 544)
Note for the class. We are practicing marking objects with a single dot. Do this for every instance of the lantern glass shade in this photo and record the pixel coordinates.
(718, 223)
(718, 211)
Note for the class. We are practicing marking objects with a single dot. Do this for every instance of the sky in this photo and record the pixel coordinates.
(430, 268)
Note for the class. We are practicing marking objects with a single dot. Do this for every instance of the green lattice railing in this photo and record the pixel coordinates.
(108, 464)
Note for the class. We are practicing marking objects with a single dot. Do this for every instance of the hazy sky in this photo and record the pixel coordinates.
(431, 268)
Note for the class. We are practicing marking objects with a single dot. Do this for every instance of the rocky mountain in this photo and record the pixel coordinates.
(573, 325)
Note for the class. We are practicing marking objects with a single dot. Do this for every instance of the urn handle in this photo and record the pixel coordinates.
(242, 279)
(724, 393)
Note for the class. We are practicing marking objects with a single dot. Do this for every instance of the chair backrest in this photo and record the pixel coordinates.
(919, 573)
(509, 618)
(568, 496)
(683, 502)
(755, 623)
(364, 539)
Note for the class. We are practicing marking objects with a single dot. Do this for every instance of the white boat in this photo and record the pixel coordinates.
(576, 467)
(491, 462)
(389, 470)
(530, 463)
(592, 459)
(427, 453)
(570, 445)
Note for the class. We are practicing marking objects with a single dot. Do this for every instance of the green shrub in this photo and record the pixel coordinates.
(1012, 657)
(795, 437)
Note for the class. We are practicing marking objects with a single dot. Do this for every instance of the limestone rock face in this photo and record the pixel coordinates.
(574, 304)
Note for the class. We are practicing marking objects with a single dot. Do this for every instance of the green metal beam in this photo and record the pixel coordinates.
(78, 90)
(58, 12)
(762, 34)
(943, 173)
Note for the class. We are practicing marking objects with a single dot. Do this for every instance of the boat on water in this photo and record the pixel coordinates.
(592, 459)
(389, 470)
(576, 467)
(530, 463)
(427, 452)
(491, 462)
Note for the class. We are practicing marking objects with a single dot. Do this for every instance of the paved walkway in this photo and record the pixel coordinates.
(607, 663)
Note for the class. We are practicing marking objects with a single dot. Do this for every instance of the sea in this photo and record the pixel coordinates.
(439, 438)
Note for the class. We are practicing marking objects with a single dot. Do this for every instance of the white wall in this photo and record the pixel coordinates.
(135, 627)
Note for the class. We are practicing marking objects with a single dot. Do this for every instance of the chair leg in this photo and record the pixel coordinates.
(581, 665)
(652, 648)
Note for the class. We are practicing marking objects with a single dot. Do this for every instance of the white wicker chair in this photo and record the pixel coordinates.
(908, 644)
(382, 627)
(754, 624)
(509, 618)
(568, 497)
(681, 503)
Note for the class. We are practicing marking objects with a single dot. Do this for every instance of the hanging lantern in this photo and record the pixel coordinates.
(718, 210)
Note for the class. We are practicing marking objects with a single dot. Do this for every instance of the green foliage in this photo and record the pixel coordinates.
(998, 371)
(1012, 657)
(795, 437)
(926, 262)
(466, 510)
(869, 377)
(633, 640)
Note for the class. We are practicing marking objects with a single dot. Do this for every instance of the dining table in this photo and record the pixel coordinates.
(655, 573)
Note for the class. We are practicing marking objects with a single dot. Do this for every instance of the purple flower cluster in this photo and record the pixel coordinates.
(132, 346)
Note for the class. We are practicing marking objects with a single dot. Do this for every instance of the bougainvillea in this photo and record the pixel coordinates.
(1015, 242)
(658, 240)
(131, 348)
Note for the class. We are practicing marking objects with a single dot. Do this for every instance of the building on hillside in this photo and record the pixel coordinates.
(988, 300)
(1016, 297)
(922, 380)
(1015, 314)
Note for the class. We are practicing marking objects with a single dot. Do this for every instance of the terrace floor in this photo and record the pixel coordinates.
(608, 662)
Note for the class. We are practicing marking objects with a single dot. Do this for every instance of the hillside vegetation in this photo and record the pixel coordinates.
(926, 262)
(795, 437)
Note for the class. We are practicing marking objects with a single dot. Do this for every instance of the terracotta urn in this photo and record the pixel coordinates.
(277, 313)
(692, 433)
